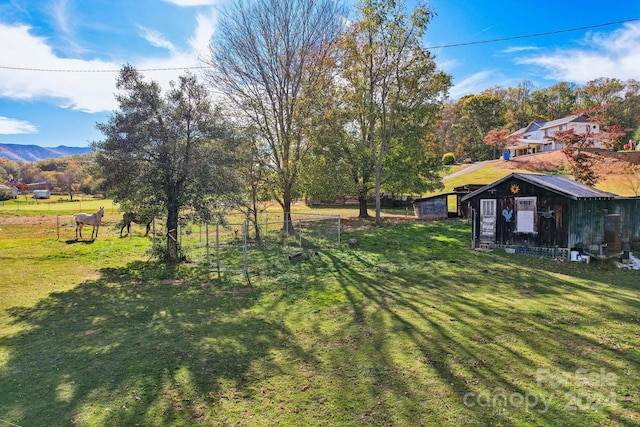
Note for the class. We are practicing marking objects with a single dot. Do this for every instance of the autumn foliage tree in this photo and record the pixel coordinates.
(632, 178)
(498, 139)
(577, 146)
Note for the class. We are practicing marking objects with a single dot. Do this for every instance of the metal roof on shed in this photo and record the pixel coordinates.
(556, 183)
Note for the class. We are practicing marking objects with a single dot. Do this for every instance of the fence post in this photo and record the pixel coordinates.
(218, 249)
(339, 228)
(245, 259)
(300, 231)
(206, 244)
(58, 226)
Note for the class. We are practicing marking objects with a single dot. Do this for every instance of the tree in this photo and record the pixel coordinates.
(626, 111)
(478, 115)
(581, 162)
(498, 139)
(444, 131)
(268, 58)
(562, 98)
(335, 164)
(517, 100)
(601, 92)
(253, 171)
(394, 91)
(70, 178)
(632, 179)
(577, 145)
(170, 152)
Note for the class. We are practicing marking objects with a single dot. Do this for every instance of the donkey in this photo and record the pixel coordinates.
(94, 220)
(129, 217)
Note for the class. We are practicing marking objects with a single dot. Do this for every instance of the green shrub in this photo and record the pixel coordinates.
(448, 159)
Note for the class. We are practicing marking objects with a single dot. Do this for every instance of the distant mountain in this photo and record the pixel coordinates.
(33, 153)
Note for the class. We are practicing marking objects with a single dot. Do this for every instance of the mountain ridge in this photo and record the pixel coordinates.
(33, 153)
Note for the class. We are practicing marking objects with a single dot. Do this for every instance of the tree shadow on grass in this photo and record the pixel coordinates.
(75, 241)
(415, 329)
(139, 346)
(406, 327)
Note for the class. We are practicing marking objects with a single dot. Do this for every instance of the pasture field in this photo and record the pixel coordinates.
(408, 327)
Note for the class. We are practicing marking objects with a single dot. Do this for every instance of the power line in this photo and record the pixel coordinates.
(549, 33)
(51, 70)
(528, 36)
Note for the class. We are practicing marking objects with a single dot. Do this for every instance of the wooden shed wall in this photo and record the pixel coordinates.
(586, 220)
(551, 228)
(629, 210)
(435, 207)
(559, 221)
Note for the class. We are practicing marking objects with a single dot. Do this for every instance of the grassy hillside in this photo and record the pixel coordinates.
(611, 171)
(408, 327)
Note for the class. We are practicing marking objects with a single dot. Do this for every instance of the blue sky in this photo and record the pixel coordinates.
(61, 108)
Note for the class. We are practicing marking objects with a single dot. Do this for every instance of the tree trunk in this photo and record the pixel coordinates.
(256, 226)
(362, 202)
(378, 179)
(172, 227)
(254, 211)
(287, 225)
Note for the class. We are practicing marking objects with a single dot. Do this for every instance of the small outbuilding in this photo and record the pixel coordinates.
(437, 207)
(550, 215)
(41, 194)
(431, 208)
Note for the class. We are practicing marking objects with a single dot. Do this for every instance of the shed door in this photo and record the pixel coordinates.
(487, 220)
(612, 232)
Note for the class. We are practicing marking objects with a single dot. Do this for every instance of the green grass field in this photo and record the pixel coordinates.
(408, 327)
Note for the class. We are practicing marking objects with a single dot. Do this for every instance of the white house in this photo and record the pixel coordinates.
(536, 137)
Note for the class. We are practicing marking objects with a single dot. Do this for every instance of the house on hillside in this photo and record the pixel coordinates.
(536, 137)
(550, 215)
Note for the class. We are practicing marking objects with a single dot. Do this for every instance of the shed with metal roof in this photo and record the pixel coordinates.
(550, 214)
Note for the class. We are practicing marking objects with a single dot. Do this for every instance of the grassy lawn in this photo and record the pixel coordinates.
(408, 327)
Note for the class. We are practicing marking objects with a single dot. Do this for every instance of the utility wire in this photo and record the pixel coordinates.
(50, 70)
(549, 33)
(528, 36)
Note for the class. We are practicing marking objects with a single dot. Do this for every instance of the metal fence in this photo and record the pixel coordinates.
(228, 248)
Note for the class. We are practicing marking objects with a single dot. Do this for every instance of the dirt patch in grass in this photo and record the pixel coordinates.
(550, 163)
(31, 220)
(545, 162)
(356, 224)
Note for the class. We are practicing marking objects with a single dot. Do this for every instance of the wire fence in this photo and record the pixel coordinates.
(225, 248)
(230, 248)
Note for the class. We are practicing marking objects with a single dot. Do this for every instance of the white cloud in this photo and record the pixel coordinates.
(614, 55)
(520, 49)
(59, 13)
(16, 127)
(88, 89)
(191, 3)
(156, 39)
(475, 84)
(201, 38)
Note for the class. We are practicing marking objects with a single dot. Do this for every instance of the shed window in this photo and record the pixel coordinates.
(525, 214)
